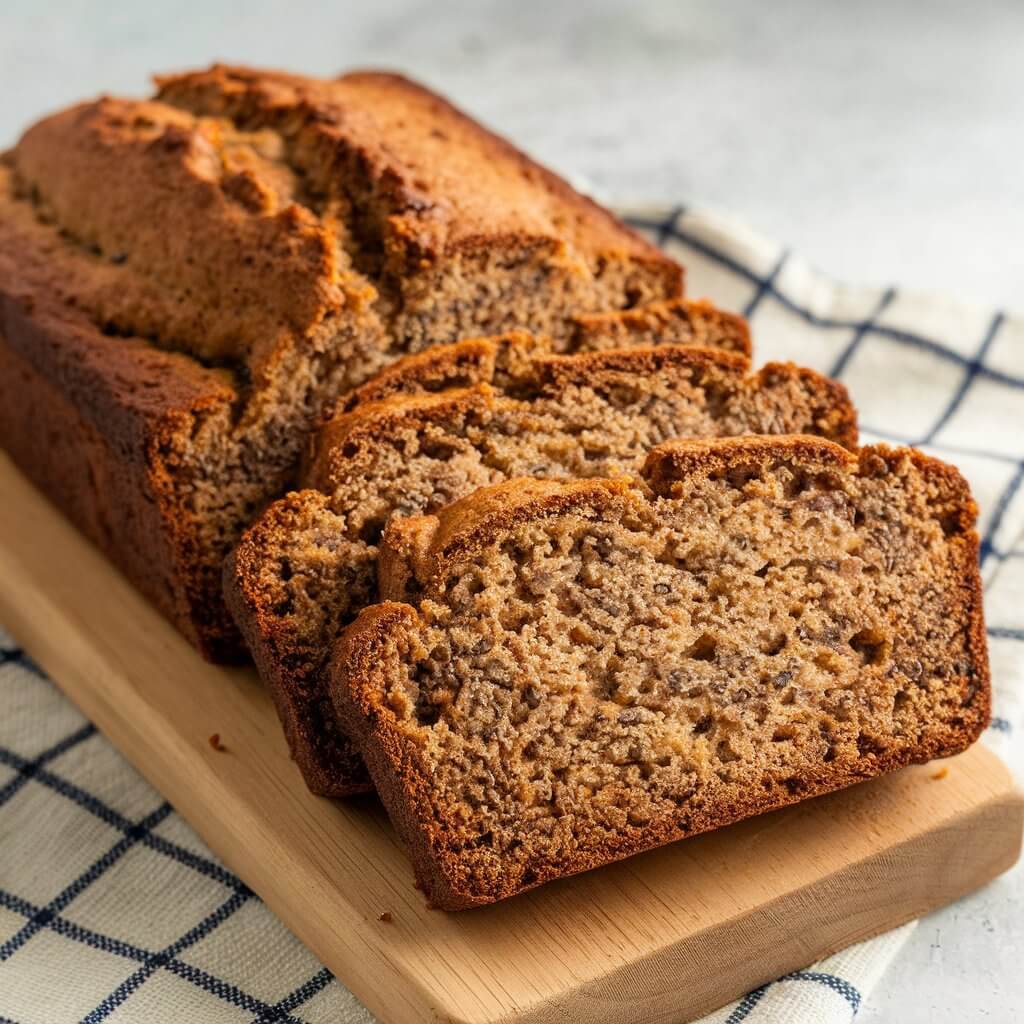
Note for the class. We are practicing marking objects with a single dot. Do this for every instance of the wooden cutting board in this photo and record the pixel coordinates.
(662, 937)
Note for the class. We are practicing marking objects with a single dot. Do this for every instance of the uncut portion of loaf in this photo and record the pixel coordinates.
(308, 564)
(186, 282)
(581, 671)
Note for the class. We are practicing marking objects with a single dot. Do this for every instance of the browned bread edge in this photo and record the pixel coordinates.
(93, 427)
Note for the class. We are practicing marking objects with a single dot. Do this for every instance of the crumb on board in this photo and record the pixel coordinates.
(940, 774)
(215, 742)
(385, 916)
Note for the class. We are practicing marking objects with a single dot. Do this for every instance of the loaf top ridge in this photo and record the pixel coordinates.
(443, 181)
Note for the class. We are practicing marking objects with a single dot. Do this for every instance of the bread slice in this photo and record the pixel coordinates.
(504, 359)
(187, 281)
(308, 565)
(586, 670)
(692, 322)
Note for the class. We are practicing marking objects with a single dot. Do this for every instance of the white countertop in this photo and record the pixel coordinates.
(883, 142)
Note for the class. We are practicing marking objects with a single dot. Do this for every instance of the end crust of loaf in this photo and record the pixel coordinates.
(300, 579)
(99, 430)
(590, 670)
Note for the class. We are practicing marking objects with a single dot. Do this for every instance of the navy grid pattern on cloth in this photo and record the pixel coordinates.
(143, 961)
(111, 909)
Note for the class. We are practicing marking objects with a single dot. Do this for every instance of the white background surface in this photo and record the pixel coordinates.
(884, 142)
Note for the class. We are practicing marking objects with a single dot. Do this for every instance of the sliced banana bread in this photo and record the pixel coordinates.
(186, 281)
(695, 322)
(308, 564)
(586, 670)
(503, 359)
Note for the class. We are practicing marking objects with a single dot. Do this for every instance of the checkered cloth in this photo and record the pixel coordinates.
(111, 909)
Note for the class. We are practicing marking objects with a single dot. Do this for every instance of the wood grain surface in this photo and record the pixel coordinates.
(661, 938)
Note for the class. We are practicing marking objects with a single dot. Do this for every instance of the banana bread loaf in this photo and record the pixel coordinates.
(308, 564)
(586, 670)
(186, 281)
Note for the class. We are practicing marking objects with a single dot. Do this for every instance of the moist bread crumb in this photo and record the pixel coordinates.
(581, 671)
(308, 564)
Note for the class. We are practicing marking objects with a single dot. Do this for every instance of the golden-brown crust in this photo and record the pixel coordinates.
(98, 428)
(448, 182)
(154, 161)
(383, 632)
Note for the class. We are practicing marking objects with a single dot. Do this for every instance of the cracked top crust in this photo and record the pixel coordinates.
(241, 209)
(443, 182)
